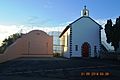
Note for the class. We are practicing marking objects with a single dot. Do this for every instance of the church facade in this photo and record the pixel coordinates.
(81, 38)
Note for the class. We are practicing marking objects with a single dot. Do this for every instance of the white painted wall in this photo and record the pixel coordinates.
(65, 40)
(84, 30)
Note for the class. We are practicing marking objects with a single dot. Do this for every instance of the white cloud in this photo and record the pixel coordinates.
(102, 22)
(6, 30)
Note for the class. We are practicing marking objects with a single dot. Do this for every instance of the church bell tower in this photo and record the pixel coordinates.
(85, 12)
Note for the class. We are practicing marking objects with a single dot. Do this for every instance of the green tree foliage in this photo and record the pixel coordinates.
(113, 33)
(8, 41)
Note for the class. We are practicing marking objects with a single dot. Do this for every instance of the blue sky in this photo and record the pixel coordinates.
(19, 14)
(54, 12)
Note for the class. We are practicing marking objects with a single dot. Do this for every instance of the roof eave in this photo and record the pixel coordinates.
(64, 30)
(75, 21)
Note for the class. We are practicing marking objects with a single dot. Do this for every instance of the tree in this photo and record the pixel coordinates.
(113, 33)
(8, 41)
(108, 30)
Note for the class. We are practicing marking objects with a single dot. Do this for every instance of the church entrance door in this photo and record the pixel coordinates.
(85, 49)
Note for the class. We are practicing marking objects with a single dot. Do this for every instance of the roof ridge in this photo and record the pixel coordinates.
(67, 27)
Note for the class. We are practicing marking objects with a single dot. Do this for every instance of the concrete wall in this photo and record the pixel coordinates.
(110, 55)
(33, 44)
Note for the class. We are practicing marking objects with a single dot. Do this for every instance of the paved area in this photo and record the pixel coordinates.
(60, 69)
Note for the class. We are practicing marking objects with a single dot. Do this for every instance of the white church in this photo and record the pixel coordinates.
(81, 38)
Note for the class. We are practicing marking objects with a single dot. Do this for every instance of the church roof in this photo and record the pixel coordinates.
(77, 20)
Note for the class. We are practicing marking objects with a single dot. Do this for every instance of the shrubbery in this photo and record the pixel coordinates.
(56, 54)
(8, 41)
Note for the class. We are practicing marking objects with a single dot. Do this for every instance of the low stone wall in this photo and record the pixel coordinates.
(37, 55)
(7, 57)
(118, 57)
(110, 56)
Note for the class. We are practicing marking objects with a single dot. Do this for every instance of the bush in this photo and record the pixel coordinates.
(56, 54)
(8, 41)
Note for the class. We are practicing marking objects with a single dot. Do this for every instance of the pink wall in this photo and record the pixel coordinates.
(33, 44)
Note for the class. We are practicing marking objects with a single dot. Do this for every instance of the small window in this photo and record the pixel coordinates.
(76, 47)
